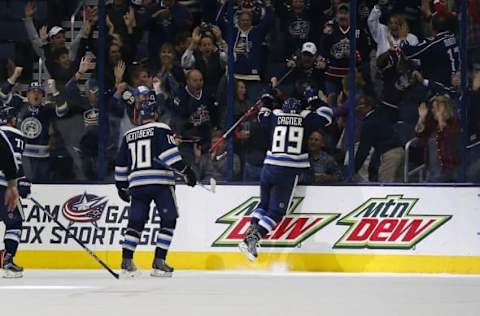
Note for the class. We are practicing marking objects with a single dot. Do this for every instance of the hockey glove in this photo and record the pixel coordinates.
(123, 194)
(189, 176)
(24, 186)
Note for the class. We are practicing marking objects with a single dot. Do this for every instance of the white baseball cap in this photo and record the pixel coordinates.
(141, 90)
(55, 30)
(309, 47)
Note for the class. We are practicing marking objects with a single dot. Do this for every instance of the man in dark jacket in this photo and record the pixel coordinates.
(378, 133)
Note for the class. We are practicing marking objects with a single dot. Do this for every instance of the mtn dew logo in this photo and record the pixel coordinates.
(290, 232)
(386, 223)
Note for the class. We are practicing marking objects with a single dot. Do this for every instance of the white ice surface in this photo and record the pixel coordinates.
(94, 292)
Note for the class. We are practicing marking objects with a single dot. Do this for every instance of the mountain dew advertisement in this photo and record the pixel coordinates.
(387, 223)
(378, 223)
(290, 232)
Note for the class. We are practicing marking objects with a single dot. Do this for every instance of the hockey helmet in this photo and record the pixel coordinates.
(292, 106)
(310, 95)
(7, 113)
(148, 109)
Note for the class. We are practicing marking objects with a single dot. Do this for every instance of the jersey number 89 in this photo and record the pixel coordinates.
(287, 139)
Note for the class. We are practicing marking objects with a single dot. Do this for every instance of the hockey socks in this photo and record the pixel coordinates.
(266, 225)
(164, 239)
(257, 216)
(130, 242)
(11, 240)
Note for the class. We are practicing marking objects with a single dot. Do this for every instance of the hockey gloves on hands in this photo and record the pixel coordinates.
(123, 194)
(189, 176)
(24, 186)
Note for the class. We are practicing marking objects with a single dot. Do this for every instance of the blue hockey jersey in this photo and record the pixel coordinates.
(35, 122)
(439, 56)
(147, 155)
(17, 140)
(288, 134)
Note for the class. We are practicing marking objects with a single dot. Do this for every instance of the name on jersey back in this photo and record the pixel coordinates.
(143, 133)
(289, 120)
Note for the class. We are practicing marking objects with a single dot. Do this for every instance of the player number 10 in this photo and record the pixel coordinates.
(141, 154)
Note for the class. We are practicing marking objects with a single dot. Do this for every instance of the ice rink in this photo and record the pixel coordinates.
(94, 292)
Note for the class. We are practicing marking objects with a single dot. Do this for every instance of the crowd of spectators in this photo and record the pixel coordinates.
(165, 51)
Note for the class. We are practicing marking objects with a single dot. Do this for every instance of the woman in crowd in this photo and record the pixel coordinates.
(167, 69)
(441, 131)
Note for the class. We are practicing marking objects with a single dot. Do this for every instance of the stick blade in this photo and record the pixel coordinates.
(213, 185)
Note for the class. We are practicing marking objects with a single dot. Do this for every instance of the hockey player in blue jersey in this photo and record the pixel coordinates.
(12, 219)
(145, 171)
(287, 157)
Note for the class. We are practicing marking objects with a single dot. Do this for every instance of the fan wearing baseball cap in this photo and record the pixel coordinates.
(307, 70)
(35, 116)
(336, 46)
(56, 36)
(46, 41)
(309, 47)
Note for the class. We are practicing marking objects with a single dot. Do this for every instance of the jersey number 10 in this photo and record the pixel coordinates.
(141, 153)
(287, 139)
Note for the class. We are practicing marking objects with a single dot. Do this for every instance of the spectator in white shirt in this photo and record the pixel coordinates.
(389, 37)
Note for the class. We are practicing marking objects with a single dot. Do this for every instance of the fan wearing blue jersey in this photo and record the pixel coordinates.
(287, 158)
(35, 118)
(12, 219)
(145, 171)
(440, 55)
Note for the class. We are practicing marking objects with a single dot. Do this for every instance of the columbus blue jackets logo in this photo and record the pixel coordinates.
(341, 49)
(90, 117)
(200, 116)
(299, 28)
(31, 127)
(84, 208)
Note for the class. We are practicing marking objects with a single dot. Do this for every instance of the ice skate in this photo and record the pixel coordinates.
(129, 270)
(249, 245)
(161, 269)
(10, 269)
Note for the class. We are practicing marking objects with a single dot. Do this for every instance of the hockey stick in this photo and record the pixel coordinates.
(212, 188)
(91, 253)
(213, 182)
(192, 139)
(213, 185)
(246, 114)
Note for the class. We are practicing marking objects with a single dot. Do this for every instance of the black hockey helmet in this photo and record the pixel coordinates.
(148, 109)
(7, 113)
(292, 106)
